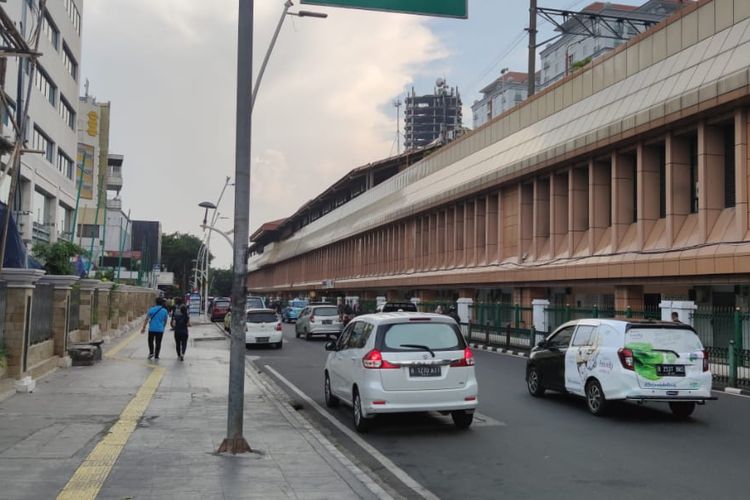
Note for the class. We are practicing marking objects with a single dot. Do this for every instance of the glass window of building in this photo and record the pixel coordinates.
(64, 164)
(73, 14)
(50, 31)
(70, 62)
(88, 231)
(41, 142)
(67, 113)
(45, 85)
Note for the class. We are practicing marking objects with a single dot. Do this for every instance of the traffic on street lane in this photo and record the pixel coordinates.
(525, 447)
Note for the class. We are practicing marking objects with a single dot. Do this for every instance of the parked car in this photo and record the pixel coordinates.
(291, 312)
(318, 320)
(219, 308)
(262, 327)
(606, 359)
(401, 362)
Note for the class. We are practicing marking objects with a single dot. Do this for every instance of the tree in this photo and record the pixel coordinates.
(56, 256)
(177, 253)
(221, 282)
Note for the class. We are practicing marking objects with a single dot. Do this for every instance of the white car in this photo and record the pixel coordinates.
(607, 359)
(401, 362)
(262, 326)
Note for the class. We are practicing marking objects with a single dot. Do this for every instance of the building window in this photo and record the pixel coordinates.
(64, 164)
(41, 142)
(88, 231)
(50, 31)
(6, 113)
(67, 113)
(70, 62)
(73, 15)
(693, 146)
(729, 181)
(45, 85)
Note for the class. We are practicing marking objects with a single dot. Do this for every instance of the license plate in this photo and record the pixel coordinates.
(670, 370)
(262, 339)
(424, 371)
(327, 322)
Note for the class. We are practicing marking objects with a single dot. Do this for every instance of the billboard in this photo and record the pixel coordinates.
(86, 162)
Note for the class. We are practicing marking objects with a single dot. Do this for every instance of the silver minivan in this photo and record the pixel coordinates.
(318, 320)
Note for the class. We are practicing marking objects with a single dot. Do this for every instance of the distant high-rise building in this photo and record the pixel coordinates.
(499, 96)
(433, 116)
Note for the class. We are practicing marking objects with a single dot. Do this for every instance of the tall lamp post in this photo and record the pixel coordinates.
(235, 441)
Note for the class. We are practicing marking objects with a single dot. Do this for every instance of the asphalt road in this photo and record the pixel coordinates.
(523, 447)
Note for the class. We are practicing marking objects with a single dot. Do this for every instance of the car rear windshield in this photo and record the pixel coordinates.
(261, 317)
(436, 336)
(665, 339)
(399, 306)
(253, 303)
(325, 311)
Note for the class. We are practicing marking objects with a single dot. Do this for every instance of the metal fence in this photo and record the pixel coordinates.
(74, 318)
(556, 316)
(95, 308)
(41, 319)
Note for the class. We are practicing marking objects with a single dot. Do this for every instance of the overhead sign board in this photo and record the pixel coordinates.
(444, 8)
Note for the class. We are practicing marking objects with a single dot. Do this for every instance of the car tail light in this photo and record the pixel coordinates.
(467, 360)
(278, 327)
(374, 359)
(705, 360)
(626, 358)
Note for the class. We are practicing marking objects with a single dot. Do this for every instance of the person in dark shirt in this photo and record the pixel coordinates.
(180, 324)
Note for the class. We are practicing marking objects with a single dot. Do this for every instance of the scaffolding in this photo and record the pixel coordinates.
(13, 147)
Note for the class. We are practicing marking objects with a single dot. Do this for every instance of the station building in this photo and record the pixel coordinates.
(622, 185)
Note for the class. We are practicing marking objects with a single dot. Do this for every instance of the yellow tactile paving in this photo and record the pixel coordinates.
(91, 474)
(124, 343)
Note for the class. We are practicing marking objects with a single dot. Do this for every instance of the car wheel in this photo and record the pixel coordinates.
(361, 424)
(331, 400)
(308, 335)
(682, 410)
(534, 383)
(247, 346)
(277, 345)
(296, 331)
(462, 419)
(595, 400)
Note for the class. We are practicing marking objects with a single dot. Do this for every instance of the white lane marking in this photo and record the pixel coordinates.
(374, 453)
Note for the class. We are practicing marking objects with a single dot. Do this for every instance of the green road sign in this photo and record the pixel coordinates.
(445, 8)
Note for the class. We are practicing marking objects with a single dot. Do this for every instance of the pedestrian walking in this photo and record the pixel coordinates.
(156, 321)
(180, 323)
(675, 317)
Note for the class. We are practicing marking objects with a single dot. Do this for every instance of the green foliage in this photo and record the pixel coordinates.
(3, 359)
(56, 256)
(177, 253)
(221, 282)
(580, 64)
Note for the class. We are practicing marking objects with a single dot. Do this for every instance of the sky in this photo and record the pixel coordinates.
(325, 105)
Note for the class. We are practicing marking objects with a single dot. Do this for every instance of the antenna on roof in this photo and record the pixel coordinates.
(397, 104)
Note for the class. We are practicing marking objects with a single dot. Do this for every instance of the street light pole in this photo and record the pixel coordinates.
(235, 442)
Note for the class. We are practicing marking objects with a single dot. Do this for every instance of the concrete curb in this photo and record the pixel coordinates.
(500, 350)
(734, 391)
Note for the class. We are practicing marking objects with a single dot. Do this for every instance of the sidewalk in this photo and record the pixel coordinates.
(130, 428)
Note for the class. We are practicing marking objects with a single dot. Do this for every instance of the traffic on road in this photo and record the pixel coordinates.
(520, 446)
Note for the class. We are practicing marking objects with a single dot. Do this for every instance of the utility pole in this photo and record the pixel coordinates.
(235, 442)
(123, 236)
(532, 48)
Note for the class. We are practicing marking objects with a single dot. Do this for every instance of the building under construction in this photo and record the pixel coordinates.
(432, 117)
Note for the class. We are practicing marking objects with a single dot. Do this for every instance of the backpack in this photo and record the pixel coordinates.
(180, 318)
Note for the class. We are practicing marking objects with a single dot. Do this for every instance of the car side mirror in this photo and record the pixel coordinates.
(331, 346)
(542, 344)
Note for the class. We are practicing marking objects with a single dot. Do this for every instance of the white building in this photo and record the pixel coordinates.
(46, 194)
(499, 96)
(557, 57)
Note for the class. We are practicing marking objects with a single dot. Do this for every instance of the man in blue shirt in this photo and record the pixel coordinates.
(156, 320)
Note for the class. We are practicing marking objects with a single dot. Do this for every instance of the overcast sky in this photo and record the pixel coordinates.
(325, 104)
